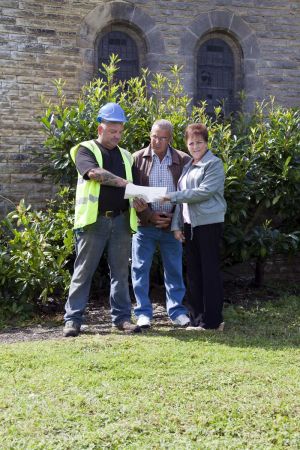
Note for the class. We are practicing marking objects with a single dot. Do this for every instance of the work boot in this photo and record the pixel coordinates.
(127, 327)
(71, 329)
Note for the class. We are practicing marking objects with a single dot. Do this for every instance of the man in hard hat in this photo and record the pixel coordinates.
(158, 165)
(102, 219)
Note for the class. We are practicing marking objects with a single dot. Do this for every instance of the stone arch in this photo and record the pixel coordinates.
(123, 15)
(235, 28)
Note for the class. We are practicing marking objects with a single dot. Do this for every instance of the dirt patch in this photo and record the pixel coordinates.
(98, 320)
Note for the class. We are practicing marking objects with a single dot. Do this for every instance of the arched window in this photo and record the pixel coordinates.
(121, 44)
(217, 80)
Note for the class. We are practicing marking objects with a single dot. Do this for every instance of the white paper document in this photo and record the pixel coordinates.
(149, 194)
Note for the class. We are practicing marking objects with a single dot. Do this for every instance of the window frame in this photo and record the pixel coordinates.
(237, 64)
(130, 32)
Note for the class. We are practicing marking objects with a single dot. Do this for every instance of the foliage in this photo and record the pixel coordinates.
(66, 125)
(261, 152)
(262, 183)
(35, 250)
(166, 389)
(261, 155)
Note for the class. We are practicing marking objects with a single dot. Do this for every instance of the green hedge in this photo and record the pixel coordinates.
(35, 249)
(261, 155)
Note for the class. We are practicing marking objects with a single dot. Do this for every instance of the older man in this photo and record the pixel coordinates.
(102, 220)
(158, 165)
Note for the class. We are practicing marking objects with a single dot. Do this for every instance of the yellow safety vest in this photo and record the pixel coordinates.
(87, 191)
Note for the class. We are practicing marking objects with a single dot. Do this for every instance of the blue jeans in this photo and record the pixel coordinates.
(144, 243)
(90, 243)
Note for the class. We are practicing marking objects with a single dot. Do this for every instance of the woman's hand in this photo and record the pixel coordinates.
(164, 199)
(178, 234)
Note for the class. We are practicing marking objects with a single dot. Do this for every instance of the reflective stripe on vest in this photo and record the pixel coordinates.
(88, 191)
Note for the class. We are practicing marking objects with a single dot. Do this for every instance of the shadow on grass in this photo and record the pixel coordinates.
(273, 325)
(238, 337)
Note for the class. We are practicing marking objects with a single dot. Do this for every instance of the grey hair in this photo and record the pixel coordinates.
(163, 123)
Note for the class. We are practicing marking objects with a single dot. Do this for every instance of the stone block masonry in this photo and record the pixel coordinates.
(42, 40)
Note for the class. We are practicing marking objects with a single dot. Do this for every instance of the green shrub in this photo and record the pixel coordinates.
(261, 155)
(67, 125)
(262, 184)
(35, 249)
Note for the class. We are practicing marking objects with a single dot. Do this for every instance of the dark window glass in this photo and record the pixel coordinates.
(215, 75)
(124, 46)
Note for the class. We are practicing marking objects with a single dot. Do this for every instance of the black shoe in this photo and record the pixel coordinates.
(71, 329)
(127, 327)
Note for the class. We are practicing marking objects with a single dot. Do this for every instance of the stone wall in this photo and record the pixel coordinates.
(48, 39)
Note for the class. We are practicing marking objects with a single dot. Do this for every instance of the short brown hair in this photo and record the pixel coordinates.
(198, 129)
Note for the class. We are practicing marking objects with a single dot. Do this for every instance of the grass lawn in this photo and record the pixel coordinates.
(163, 389)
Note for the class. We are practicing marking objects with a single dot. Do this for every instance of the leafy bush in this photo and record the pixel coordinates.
(35, 250)
(261, 155)
(262, 183)
(66, 125)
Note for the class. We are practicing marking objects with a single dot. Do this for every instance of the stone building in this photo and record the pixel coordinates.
(224, 45)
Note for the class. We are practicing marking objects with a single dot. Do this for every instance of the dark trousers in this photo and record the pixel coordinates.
(204, 280)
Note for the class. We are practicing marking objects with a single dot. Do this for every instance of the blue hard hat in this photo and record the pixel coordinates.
(111, 112)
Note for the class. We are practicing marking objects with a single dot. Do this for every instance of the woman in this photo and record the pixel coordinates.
(198, 221)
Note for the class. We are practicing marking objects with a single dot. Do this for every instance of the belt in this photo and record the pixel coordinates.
(112, 213)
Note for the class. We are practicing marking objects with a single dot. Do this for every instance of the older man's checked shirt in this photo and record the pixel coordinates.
(161, 176)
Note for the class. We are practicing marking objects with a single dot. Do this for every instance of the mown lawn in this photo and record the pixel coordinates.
(163, 389)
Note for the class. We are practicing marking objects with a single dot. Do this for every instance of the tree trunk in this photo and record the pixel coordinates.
(259, 272)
